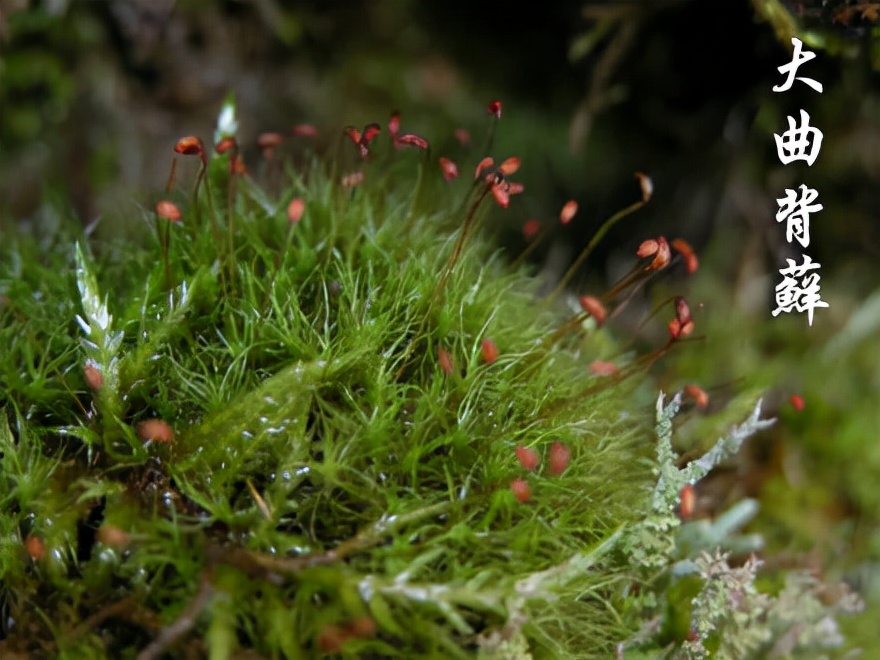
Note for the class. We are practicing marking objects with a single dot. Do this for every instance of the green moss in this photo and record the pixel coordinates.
(333, 486)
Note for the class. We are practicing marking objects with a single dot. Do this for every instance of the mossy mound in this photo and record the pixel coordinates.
(330, 420)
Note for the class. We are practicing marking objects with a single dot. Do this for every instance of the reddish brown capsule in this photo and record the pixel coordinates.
(664, 254)
(295, 210)
(559, 458)
(510, 166)
(687, 501)
(679, 330)
(353, 134)
(114, 537)
(482, 165)
(268, 141)
(370, 133)
(463, 136)
(226, 144)
(412, 140)
(444, 359)
(168, 211)
(647, 248)
(190, 146)
(528, 458)
(155, 430)
(35, 547)
(489, 351)
(530, 228)
(94, 377)
(594, 307)
(449, 168)
(698, 394)
(521, 490)
(305, 130)
(691, 262)
(602, 368)
(394, 124)
(568, 211)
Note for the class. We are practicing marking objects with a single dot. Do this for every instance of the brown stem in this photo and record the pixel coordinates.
(583, 256)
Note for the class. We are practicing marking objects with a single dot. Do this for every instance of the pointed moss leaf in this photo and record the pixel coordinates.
(381, 612)
(102, 343)
(94, 308)
(227, 120)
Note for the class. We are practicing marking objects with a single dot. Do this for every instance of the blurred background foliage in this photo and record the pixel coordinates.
(94, 94)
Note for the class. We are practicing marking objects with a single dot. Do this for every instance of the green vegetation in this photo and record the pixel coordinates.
(281, 427)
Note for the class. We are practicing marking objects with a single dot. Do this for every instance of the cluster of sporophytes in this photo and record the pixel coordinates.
(319, 415)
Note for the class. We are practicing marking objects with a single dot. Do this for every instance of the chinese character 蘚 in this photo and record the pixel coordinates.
(796, 211)
(799, 142)
(799, 290)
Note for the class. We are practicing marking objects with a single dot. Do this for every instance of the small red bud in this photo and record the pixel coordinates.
(528, 458)
(113, 537)
(394, 124)
(269, 140)
(444, 359)
(483, 164)
(594, 307)
(463, 136)
(796, 401)
(190, 146)
(530, 228)
(568, 211)
(489, 351)
(370, 132)
(353, 134)
(501, 193)
(602, 368)
(450, 169)
(521, 490)
(661, 259)
(509, 166)
(687, 501)
(156, 430)
(305, 130)
(559, 458)
(647, 248)
(412, 140)
(35, 547)
(494, 108)
(295, 210)
(226, 144)
(698, 394)
(168, 211)
(682, 309)
(94, 377)
(690, 258)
